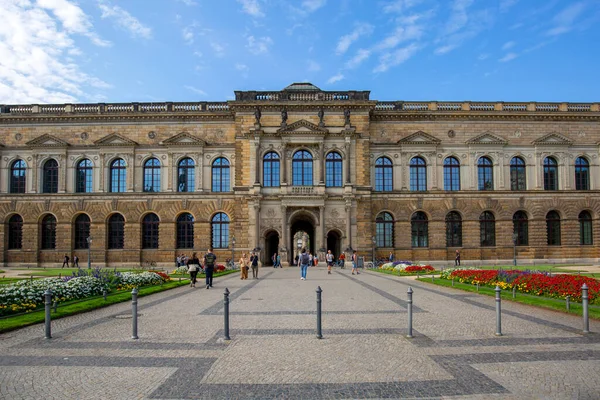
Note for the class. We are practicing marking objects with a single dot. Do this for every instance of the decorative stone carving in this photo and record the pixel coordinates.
(84, 136)
(451, 133)
(18, 137)
(115, 204)
(270, 213)
(151, 135)
(47, 205)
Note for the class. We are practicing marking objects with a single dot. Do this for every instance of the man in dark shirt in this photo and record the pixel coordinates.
(254, 264)
(209, 267)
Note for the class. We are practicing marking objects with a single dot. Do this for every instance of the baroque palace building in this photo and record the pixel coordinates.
(147, 181)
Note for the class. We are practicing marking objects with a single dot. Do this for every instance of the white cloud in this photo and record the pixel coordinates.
(312, 5)
(306, 8)
(508, 57)
(400, 34)
(35, 46)
(241, 67)
(397, 57)
(506, 4)
(188, 3)
(462, 26)
(399, 6)
(259, 45)
(483, 56)
(458, 17)
(196, 90)
(335, 78)
(445, 49)
(251, 7)
(218, 48)
(313, 66)
(360, 56)
(346, 41)
(188, 34)
(564, 21)
(508, 45)
(125, 20)
(198, 54)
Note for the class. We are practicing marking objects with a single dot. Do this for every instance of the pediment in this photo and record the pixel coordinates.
(420, 137)
(184, 139)
(487, 138)
(303, 126)
(47, 141)
(114, 139)
(553, 138)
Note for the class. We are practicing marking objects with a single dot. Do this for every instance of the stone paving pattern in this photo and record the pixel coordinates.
(274, 352)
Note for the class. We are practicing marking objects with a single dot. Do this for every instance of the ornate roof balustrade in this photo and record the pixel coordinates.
(115, 108)
(486, 106)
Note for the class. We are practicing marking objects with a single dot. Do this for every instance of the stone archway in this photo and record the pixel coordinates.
(334, 243)
(302, 221)
(271, 247)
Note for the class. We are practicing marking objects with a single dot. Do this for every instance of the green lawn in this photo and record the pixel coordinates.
(385, 271)
(89, 304)
(539, 301)
(47, 272)
(6, 281)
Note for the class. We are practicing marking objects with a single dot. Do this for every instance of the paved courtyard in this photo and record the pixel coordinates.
(274, 352)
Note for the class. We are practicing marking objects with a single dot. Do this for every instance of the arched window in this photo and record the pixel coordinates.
(485, 174)
(17, 176)
(185, 231)
(582, 174)
(453, 229)
(521, 228)
(517, 174)
(81, 231)
(116, 232)
(487, 229)
(418, 174)
(271, 170)
(553, 228)
(384, 230)
(186, 175)
(48, 232)
(451, 174)
(220, 175)
(15, 232)
(302, 168)
(333, 169)
(384, 175)
(585, 228)
(152, 175)
(150, 226)
(220, 231)
(419, 229)
(83, 176)
(118, 176)
(550, 174)
(50, 177)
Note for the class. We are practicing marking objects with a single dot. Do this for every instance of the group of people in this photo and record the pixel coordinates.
(276, 258)
(246, 262)
(313, 259)
(195, 265)
(66, 260)
(305, 259)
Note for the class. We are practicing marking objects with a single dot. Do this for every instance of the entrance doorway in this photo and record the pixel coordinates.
(303, 233)
(271, 247)
(334, 243)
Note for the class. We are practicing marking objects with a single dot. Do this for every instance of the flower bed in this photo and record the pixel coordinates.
(405, 267)
(532, 282)
(419, 268)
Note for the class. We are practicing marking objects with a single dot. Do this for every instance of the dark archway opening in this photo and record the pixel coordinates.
(271, 247)
(301, 225)
(334, 243)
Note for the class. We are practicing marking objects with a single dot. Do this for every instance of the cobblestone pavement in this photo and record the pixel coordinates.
(274, 352)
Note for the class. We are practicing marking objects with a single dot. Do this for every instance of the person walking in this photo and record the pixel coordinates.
(178, 261)
(355, 262)
(457, 258)
(329, 259)
(316, 260)
(244, 266)
(75, 261)
(254, 264)
(274, 260)
(209, 267)
(311, 259)
(279, 261)
(193, 265)
(65, 261)
(342, 260)
(304, 261)
(391, 257)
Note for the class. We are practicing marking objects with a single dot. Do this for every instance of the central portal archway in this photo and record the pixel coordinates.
(301, 221)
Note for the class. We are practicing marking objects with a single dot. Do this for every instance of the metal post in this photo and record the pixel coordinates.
(584, 301)
(568, 301)
(514, 292)
(319, 332)
(134, 313)
(410, 310)
(432, 278)
(477, 287)
(498, 312)
(226, 314)
(48, 304)
(452, 282)
(104, 294)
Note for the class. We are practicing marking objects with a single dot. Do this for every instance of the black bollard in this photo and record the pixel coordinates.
(104, 294)
(319, 332)
(410, 311)
(568, 301)
(584, 303)
(226, 314)
(498, 311)
(48, 304)
(134, 304)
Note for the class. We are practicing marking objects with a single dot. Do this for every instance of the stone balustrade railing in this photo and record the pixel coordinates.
(489, 106)
(103, 108)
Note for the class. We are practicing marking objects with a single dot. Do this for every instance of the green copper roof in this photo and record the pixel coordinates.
(302, 86)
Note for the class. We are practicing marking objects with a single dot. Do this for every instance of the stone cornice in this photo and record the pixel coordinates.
(275, 107)
(111, 118)
(476, 116)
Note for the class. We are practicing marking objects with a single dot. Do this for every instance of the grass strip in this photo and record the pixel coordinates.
(524, 298)
(84, 305)
(388, 272)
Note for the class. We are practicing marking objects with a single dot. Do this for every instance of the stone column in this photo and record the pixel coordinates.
(102, 168)
(322, 227)
(284, 230)
(34, 174)
(257, 223)
(170, 172)
(257, 161)
(199, 170)
(347, 148)
(348, 224)
(284, 165)
(130, 172)
(322, 157)
(63, 163)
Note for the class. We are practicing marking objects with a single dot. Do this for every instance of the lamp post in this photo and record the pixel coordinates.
(514, 238)
(374, 239)
(89, 243)
(233, 251)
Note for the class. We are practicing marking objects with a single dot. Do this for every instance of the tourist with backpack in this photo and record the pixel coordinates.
(65, 261)
(254, 265)
(209, 267)
(193, 265)
(329, 259)
(304, 261)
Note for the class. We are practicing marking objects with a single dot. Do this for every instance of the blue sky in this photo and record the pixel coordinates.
(57, 51)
